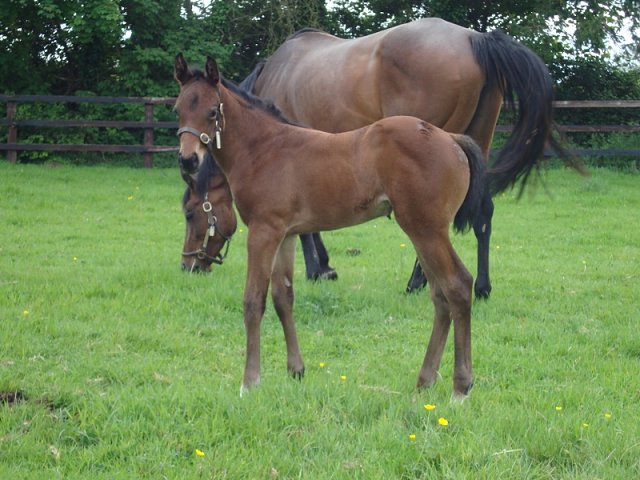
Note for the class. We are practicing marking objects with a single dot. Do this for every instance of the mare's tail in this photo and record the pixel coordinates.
(470, 208)
(513, 68)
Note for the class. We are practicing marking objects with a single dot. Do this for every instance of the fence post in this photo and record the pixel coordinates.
(12, 136)
(148, 135)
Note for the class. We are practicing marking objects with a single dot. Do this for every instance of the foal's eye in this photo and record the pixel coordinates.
(188, 215)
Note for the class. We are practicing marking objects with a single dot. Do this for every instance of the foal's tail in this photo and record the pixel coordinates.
(513, 68)
(468, 211)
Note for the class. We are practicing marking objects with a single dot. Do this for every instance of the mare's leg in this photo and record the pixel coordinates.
(482, 229)
(262, 244)
(326, 271)
(417, 280)
(311, 258)
(316, 258)
(282, 295)
(451, 285)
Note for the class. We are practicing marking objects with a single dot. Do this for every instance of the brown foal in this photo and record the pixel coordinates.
(287, 180)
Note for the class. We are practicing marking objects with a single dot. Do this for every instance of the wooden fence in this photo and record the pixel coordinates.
(147, 149)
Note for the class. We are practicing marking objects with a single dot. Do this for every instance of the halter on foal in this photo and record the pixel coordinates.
(288, 180)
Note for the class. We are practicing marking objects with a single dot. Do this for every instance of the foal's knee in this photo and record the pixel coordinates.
(459, 294)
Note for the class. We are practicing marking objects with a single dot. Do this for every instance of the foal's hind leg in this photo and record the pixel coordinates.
(282, 295)
(451, 285)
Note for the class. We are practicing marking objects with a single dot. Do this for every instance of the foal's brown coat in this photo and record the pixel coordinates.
(288, 180)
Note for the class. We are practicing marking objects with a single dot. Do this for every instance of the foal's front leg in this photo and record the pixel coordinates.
(262, 244)
(282, 295)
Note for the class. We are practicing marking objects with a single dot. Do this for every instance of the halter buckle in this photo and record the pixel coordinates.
(204, 138)
(207, 207)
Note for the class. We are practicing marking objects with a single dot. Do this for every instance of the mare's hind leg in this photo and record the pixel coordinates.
(482, 229)
(282, 295)
(316, 259)
(326, 271)
(451, 285)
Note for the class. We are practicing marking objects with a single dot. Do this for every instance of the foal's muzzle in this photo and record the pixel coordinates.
(190, 164)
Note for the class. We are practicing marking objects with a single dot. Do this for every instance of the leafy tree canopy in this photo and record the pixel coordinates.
(126, 47)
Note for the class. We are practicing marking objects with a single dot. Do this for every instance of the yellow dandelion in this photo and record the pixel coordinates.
(585, 425)
(558, 408)
(240, 230)
(130, 197)
(443, 421)
(428, 407)
(343, 377)
(25, 313)
(412, 436)
(322, 364)
(75, 259)
(199, 453)
(607, 415)
(403, 245)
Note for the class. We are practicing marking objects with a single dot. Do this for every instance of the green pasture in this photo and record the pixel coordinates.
(126, 367)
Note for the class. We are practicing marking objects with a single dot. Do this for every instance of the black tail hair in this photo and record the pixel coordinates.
(470, 208)
(515, 69)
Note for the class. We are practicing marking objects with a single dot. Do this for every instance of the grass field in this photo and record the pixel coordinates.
(125, 367)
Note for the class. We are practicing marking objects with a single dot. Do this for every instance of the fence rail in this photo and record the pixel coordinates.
(148, 125)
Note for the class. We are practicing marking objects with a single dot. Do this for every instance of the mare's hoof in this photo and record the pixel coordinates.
(326, 274)
(329, 274)
(482, 291)
(415, 286)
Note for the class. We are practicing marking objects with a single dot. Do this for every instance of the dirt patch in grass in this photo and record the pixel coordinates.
(11, 398)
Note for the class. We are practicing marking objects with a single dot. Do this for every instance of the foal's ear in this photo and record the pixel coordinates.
(211, 71)
(181, 70)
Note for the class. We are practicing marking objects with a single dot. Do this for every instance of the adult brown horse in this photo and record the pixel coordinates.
(286, 180)
(450, 76)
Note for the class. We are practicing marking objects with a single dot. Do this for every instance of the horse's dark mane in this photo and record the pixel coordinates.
(253, 101)
(257, 102)
(249, 83)
(304, 30)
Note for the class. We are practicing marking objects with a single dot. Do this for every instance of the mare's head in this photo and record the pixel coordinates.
(200, 117)
(209, 216)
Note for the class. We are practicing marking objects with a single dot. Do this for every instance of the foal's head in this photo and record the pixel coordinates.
(209, 216)
(199, 113)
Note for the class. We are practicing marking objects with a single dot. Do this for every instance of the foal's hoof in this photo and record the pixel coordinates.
(297, 374)
(461, 393)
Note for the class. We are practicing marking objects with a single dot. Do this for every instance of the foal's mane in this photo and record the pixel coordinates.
(252, 100)
(256, 102)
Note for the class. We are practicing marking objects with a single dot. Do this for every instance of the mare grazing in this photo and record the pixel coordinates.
(287, 180)
(447, 75)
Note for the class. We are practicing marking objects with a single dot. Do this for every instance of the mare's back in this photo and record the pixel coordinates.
(424, 68)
